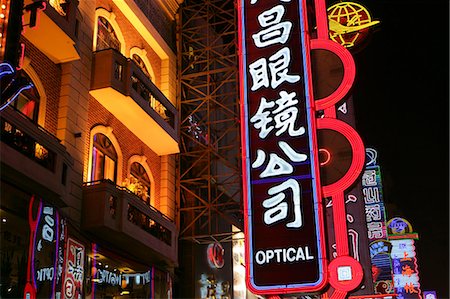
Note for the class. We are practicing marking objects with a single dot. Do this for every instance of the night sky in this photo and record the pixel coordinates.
(401, 97)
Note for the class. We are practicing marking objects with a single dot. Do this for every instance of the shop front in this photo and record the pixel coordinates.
(43, 255)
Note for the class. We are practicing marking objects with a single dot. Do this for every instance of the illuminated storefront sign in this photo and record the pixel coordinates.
(379, 247)
(215, 254)
(74, 271)
(283, 222)
(44, 258)
(405, 270)
(399, 226)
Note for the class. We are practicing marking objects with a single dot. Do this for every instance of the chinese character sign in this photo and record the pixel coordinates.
(376, 229)
(375, 215)
(405, 270)
(284, 245)
(74, 272)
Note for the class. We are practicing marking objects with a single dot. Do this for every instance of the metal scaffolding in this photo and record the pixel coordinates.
(209, 165)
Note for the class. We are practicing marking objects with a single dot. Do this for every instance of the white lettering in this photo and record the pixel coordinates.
(283, 255)
(278, 251)
(260, 257)
(45, 274)
(290, 257)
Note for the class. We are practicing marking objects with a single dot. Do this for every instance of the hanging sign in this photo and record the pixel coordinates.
(74, 271)
(283, 221)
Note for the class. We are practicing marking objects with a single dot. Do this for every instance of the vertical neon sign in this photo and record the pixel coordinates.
(285, 252)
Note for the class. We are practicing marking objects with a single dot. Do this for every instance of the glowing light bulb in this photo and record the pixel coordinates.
(2, 16)
(3, 6)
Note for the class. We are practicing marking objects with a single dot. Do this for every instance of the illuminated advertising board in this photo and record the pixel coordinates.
(74, 270)
(379, 247)
(44, 252)
(283, 222)
(405, 270)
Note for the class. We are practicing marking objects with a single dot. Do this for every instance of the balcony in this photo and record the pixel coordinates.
(56, 31)
(122, 88)
(33, 157)
(118, 216)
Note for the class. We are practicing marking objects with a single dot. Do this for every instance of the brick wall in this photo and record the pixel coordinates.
(50, 77)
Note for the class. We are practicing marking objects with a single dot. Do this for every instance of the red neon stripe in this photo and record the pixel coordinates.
(349, 72)
(315, 147)
(358, 155)
(340, 224)
(338, 294)
(248, 260)
(321, 19)
(330, 112)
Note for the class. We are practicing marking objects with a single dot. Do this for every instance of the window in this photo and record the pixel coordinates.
(139, 182)
(104, 159)
(106, 37)
(27, 102)
(140, 63)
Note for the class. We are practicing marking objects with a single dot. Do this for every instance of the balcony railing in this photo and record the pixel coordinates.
(64, 15)
(34, 152)
(122, 87)
(117, 214)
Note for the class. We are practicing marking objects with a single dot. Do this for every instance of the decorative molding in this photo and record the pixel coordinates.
(170, 7)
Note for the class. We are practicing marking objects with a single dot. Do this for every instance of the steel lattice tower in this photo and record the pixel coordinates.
(210, 172)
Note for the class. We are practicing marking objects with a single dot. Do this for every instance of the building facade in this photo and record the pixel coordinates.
(88, 172)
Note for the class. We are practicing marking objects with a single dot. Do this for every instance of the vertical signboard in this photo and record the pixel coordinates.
(43, 257)
(74, 270)
(284, 227)
(405, 270)
(379, 246)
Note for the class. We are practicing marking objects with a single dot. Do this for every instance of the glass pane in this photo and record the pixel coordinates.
(106, 37)
(110, 167)
(98, 159)
(26, 106)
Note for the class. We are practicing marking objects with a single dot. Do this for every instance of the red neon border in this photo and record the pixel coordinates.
(242, 93)
(349, 71)
(321, 228)
(358, 155)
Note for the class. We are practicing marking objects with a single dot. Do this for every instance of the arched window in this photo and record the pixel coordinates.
(140, 181)
(27, 102)
(106, 36)
(104, 159)
(140, 63)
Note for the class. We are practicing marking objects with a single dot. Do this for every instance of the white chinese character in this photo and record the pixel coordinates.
(373, 213)
(277, 209)
(369, 178)
(276, 32)
(262, 118)
(371, 195)
(278, 66)
(276, 165)
(375, 230)
(284, 116)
